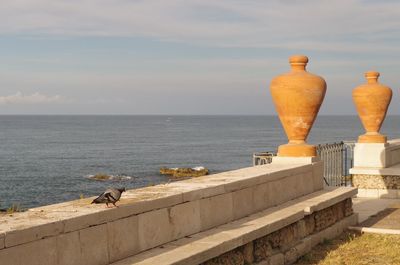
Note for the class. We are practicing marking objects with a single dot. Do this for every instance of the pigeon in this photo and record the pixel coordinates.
(111, 195)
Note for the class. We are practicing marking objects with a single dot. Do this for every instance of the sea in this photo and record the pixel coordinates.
(50, 159)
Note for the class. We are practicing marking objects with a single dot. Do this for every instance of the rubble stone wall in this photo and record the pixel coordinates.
(376, 182)
(286, 245)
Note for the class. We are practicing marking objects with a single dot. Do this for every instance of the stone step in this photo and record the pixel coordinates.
(206, 245)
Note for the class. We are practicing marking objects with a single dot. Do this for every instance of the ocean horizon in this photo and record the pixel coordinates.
(48, 158)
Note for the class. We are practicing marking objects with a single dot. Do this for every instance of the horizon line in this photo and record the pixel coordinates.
(104, 114)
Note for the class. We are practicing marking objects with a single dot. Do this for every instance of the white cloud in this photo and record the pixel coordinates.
(35, 98)
(318, 25)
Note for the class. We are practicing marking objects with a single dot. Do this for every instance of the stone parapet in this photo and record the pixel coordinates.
(282, 233)
(77, 232)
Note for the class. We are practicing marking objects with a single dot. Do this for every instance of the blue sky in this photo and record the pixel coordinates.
(187, 57)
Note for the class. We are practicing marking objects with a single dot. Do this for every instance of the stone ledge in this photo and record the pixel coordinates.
(379, 193)
(214, 242)
(377, 171)
(372, 230)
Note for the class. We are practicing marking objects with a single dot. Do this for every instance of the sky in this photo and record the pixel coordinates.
(188, 57)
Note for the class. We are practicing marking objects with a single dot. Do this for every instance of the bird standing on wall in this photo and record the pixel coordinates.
(111, 195)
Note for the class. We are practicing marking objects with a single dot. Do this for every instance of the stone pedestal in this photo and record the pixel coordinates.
(371, 155)
(376, 170)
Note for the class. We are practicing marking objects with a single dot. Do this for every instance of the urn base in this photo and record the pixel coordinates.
(297, 150)
(372, 138)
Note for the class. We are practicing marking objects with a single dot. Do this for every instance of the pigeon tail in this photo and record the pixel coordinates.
(98, 200)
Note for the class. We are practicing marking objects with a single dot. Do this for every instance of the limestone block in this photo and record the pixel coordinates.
(261, 174)
(277, 259)
(290, 187)
(276, 189)
(243, 183)
(216, 210)
(291, 256)
(335, 195)
(84, 221)
(262, 197)
(291, 160)
(231, 257)
(154, 229)
(11, 256)
(302, 229)
(242, 203)
(333, 231)
(247, 251)
(368, 193)
(40, 252)
(2, 239)
(389, 194)
(210, 246)
(370, 155)
(32, 233)
(147, 201)
(262, 248)
(286, 237)
(196, 191)
(395, 155)
(185, 219)
(318, 176)
(94, 245)
(123, 239)
(304, 247)
(304, 184)
(307, 183)
(309, 221)
(68, 249)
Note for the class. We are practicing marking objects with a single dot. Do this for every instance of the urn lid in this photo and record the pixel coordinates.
(298, 62)
(372, 76)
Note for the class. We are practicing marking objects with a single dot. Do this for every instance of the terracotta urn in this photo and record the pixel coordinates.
(297, 96)
(372, 100)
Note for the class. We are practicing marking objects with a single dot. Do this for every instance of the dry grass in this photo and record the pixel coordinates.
(356, 249)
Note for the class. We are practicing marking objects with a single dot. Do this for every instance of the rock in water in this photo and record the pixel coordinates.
(184, 172)
(111, 195)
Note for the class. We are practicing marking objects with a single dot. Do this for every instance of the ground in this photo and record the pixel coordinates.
(356, 249)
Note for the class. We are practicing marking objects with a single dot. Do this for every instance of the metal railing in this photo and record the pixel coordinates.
(337, 157)
(262, 158)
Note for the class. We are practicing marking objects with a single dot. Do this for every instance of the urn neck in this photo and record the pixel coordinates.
(298, 67)
(372, 77)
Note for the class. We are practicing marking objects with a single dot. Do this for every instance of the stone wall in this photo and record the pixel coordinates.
(78, 232)
(377, 186)
(286, 245)
(364, 181)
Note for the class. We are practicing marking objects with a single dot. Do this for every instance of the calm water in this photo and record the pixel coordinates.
(46, 159)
